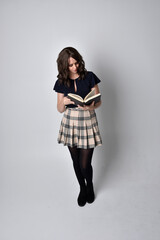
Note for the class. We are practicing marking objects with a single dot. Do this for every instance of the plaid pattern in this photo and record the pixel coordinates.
(79, 128)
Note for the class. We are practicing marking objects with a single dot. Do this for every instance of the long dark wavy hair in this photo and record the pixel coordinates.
(63, 65)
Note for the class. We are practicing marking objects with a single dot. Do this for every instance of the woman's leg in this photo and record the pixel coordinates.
(85, 164)
(75, 153)
(85, 158)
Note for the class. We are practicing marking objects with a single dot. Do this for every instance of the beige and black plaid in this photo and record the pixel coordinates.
(79, 128)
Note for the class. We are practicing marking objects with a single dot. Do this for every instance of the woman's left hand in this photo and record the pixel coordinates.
(89, 107)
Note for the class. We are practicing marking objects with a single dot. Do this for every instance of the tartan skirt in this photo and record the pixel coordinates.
(79, 128)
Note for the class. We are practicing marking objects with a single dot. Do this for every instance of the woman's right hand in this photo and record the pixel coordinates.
(62, 101)
(67, 101)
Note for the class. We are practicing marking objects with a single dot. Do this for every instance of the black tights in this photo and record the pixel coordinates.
(82, 165)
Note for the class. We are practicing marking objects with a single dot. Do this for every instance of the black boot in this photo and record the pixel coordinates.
(82, 198)
(90, 194)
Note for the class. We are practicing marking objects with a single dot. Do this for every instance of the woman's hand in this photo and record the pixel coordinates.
(62, 101)
(89, 107)
(67, 101)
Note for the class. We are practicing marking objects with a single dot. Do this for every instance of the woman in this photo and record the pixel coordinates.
(79, 127)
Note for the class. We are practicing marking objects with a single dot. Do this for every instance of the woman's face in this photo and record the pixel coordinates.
(73, 65)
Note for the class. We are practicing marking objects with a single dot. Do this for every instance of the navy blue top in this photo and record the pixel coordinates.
(83, 86)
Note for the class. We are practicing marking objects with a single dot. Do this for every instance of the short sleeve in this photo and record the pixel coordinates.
(58, 87)
(93, 80)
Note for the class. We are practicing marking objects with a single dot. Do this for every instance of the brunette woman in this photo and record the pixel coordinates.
(79, 127)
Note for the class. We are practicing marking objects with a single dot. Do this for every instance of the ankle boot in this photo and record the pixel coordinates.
(82, 197)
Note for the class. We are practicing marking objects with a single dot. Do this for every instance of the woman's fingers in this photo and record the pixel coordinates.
(68, 101)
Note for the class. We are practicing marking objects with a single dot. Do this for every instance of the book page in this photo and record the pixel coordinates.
(90, 94)
(96, 98)
(75, 96)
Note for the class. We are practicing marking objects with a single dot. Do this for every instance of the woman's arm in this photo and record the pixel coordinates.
(96, 92)
(62, 101)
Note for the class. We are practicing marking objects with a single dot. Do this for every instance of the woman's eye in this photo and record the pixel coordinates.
(71, 65)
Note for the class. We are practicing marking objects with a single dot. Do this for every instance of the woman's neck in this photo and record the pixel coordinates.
(73, 76)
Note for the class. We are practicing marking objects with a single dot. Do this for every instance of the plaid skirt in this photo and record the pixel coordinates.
(79, 128)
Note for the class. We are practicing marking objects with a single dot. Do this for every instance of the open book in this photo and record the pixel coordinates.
(90, 97)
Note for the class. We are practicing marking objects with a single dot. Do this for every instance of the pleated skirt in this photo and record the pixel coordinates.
(79, 128)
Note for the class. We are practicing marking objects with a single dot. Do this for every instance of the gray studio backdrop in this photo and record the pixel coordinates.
(119, 41)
